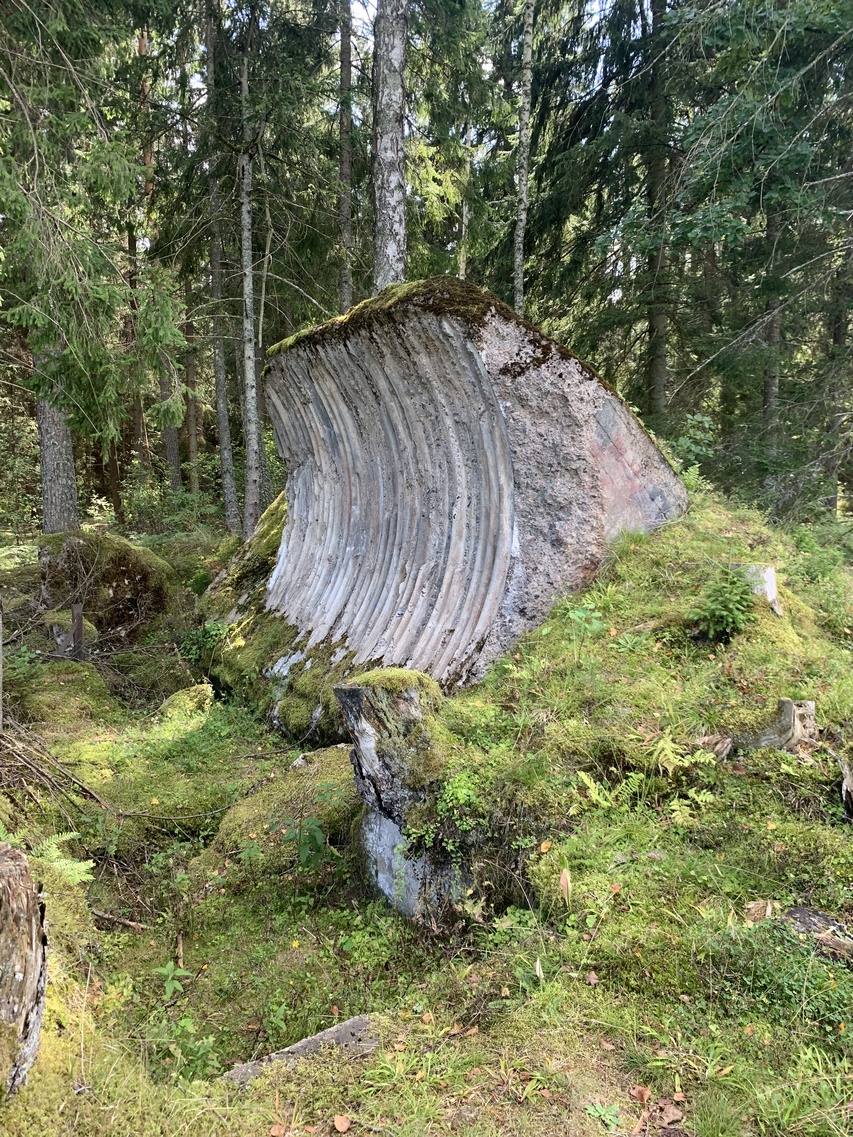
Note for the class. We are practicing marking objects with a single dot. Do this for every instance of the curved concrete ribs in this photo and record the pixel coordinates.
(450, 472)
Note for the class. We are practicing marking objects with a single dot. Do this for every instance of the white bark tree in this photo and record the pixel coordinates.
(390, 34)
(523, 159)
(253, 492)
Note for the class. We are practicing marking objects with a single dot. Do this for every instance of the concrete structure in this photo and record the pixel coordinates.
(452, 471)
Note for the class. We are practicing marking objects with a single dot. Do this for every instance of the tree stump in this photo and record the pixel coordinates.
(23, 968)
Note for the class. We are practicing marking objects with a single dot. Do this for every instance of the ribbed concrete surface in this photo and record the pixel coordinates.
(450, 472)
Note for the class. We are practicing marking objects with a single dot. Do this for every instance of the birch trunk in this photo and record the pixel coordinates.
(522, 165)
(220, 377)
(345, 173)
(252, 496)
(58, 480)
(389, 159)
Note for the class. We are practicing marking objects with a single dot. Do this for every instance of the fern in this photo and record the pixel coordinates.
(16, 840)
(69, 869)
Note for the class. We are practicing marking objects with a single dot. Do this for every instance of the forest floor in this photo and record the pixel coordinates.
(603, 975)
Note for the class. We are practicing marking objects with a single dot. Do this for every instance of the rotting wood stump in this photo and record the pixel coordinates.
(451, 473)
(23, 968)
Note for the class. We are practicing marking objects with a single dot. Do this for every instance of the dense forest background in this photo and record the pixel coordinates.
(666, 187)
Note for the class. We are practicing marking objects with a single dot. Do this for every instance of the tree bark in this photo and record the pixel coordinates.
(115, 483)
(389, 157)
(58, 479)
(23, 966)
(523, 162)
(170, 440)
(192, 418)
(345, 172)
(655, 184)
(773, 340)
(252, 495)
(220, 376)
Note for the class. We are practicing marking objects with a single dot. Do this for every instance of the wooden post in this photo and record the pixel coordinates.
(23, 968)
(78, 647)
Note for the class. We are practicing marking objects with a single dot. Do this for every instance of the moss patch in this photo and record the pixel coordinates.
(120, 586)
(321, 788)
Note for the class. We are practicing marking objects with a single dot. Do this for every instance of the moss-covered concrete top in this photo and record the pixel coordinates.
(441, 295)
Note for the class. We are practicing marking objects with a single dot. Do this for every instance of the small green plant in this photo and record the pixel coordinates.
(696, 442)
(199, 646)
(726, 606)
(172, 976)
(308, 836)
(608, 1115)
(71, 870)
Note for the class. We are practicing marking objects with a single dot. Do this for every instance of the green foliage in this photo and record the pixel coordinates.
(726, 606)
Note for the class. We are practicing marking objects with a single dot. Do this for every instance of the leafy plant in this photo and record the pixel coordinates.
(726, 606)
(172, 976)
(199, 646)
(608, 1115)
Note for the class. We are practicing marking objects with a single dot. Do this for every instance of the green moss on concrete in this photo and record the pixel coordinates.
(442, 295)
(241, 587)
(396, 680)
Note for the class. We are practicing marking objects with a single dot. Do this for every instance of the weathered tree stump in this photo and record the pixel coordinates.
(23, 968)
(794, 725)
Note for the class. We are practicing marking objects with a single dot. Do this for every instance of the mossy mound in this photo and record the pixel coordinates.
(59, 695)
(120, 585)
(57, 623)
(189, 703)
(319, 789)
(146, 675)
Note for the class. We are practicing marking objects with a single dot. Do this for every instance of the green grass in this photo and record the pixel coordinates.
(603, 944)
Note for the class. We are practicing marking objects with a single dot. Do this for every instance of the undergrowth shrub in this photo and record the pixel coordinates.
(725, 608)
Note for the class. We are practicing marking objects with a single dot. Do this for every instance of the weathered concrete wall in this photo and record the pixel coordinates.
(451, 472)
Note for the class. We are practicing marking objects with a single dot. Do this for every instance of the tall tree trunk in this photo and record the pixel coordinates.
(140, 430)
(170, 439)
(773, 340)
(523, 161)
(345, 172)
(838, 320)
(390, 36)
(223, 421)
(115, 483)
(220, 376)
(252, 496)
(655, 186)
(58, 480)
(192, 419)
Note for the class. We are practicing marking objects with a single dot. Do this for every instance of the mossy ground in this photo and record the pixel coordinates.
(604, 944)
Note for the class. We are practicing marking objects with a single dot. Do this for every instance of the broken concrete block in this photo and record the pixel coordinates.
(397, 760)
(763, 581)
(451, 472)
